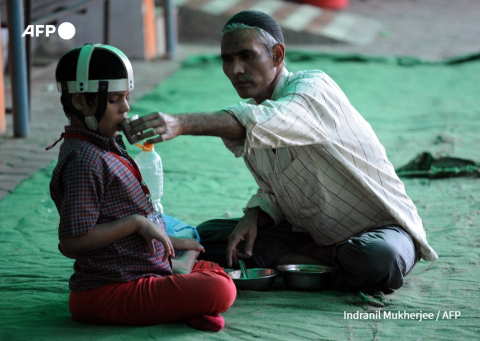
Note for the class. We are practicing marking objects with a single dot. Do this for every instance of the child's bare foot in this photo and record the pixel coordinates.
(184, 263)
(212, 323)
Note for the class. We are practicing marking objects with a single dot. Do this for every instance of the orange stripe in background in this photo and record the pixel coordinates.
(149, 29)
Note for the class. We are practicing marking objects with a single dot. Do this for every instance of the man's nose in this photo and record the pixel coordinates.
(237, 67)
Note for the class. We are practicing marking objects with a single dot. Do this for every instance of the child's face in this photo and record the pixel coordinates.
(116, 112)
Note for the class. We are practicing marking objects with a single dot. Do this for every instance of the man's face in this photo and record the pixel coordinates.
(247, 65)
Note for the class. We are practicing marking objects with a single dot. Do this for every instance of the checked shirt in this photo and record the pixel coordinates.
(319, 164)
(91, 186)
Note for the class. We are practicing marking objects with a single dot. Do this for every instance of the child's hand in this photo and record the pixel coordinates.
(150, 231)
(185, 244)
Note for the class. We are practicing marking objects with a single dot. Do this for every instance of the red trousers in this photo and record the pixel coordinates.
(207, 290)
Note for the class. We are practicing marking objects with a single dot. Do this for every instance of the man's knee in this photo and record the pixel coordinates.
(384, 267)
(370, 263)
(217, 229)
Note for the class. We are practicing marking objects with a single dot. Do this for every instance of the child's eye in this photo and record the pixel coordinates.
(113, 99)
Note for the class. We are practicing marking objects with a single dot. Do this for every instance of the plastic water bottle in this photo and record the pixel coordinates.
(150, 165)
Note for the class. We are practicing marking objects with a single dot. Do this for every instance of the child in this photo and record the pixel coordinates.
(123, 266)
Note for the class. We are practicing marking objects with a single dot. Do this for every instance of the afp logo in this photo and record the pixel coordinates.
(66, 30)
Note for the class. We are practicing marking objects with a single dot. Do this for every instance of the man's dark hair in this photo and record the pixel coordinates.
(103, 65)
(260, 20)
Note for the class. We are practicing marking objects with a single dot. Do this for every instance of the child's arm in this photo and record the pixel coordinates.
(184, 244)
(184, 263)
(105, 234)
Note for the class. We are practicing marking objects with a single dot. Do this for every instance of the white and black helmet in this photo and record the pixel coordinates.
(82, 84)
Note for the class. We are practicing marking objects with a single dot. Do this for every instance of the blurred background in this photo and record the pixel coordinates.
(157, 35)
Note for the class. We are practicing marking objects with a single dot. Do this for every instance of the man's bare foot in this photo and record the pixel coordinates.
(184, 263)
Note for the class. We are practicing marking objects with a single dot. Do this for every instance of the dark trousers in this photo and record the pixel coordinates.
(378, 259)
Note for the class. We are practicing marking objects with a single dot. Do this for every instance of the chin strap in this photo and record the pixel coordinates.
(92, 121)
(101, 106)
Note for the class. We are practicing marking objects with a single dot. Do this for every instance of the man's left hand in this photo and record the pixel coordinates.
(246, 230)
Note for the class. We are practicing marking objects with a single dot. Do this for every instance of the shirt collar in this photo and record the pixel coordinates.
(100, 141)
(280, 84)
(278, 88)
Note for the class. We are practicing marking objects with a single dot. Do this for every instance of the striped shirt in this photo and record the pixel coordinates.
(319, 164)
(90, 186)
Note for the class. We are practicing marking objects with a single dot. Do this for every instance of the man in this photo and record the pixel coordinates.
(327, 192)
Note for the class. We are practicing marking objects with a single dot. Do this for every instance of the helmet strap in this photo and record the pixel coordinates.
(67, 101)
(92, 121)
(101, 100)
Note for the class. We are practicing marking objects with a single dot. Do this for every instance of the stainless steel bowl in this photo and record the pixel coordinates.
(306, 276)
(258, 279)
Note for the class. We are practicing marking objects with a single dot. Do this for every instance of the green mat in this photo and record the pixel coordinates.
(413, 107)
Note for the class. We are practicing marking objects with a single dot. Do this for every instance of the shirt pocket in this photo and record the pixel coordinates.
(297, 189)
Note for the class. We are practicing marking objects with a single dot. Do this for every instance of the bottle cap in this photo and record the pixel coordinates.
(147, 147)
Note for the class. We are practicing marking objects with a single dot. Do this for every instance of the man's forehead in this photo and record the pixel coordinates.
(244, 39)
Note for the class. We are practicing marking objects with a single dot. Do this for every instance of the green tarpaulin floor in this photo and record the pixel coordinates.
(413, 107)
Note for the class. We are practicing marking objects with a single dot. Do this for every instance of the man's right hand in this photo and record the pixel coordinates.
(165, 126)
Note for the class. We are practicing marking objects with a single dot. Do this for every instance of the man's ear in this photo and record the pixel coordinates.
(278, 54)
(78, 101)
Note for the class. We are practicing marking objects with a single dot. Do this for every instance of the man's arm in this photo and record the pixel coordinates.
(167, 127)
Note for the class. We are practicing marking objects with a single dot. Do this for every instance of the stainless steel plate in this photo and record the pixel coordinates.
(306, 276)
(258, 279)
(306, 268)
